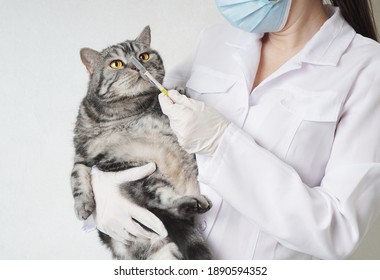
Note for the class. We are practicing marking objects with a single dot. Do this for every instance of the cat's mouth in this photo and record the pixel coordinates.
(141, 75)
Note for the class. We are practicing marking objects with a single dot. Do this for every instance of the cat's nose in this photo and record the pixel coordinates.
(132, 67)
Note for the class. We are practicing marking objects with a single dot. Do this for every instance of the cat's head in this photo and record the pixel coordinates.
(113, 77)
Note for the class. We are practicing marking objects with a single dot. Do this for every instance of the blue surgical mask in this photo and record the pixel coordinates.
(256, 16)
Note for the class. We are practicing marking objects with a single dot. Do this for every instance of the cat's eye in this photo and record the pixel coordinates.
(117, 64)
(144, 57)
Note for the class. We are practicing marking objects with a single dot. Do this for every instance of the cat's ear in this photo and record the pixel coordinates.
(89, 58)
(144, 37)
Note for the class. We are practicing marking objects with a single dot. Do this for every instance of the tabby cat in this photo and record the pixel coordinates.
(120, 125)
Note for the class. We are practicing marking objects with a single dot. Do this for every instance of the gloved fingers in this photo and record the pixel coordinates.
(167, 105)
(173, 110)
(135, 230)
(130, 237)
(180, 99)
(125, 237)
(164, 99)
(177, 98)
(125, 233)
(148, 219)
(122, 235)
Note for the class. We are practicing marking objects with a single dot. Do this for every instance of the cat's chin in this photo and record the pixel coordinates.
(133, 93)
(141, 86)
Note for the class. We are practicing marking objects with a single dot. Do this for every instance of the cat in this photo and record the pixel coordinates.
(120, 125)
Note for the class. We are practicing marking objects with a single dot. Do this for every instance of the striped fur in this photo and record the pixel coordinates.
(120, 125)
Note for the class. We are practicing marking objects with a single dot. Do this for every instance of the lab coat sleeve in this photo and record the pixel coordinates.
(325, 221)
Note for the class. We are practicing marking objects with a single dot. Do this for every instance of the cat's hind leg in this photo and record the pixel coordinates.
(157, 193)
(188, 206)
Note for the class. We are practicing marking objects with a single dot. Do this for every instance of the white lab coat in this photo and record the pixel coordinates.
(297, 173)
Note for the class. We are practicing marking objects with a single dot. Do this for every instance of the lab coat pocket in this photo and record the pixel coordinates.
(205, 80)
(317, 114)
(313, 106)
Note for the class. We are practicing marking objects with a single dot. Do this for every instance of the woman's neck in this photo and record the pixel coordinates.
(305, 19)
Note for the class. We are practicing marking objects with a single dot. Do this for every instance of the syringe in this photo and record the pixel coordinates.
(147, 74)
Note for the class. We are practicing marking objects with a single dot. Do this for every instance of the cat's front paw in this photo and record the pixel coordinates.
(84, 205)
(192, 205)
(204, 204)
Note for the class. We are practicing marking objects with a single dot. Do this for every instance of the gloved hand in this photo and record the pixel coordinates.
(114, 213)
(197, 126)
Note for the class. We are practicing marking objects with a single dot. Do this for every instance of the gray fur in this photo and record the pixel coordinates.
(120, 125)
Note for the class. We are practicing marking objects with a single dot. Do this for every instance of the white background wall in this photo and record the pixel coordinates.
(42, 81)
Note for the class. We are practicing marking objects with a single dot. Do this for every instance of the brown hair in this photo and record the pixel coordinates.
(359, 14)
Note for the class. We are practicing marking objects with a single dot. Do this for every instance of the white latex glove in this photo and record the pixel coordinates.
(114, 213)
(197, 126)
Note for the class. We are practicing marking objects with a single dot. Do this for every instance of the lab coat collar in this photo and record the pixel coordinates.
(330, 42)
(325, 48)
(247, 51)
(320, 50)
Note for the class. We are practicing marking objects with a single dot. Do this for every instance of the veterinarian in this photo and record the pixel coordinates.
(284, 119)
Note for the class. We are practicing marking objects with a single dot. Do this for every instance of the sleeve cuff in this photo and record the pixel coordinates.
(212, 164)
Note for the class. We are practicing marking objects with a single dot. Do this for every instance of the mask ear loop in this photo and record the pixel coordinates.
(286, 13)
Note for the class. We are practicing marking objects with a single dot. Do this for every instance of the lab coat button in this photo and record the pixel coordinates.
(202, 225)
